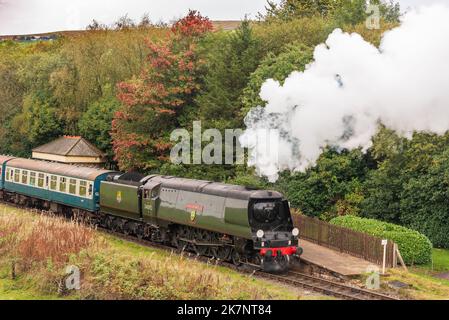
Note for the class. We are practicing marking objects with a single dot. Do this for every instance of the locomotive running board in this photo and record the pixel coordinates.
(204, 243)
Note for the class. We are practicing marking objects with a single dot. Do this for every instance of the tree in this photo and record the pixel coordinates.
(332, 185)
(154, 103)
(231, 58)
(95, 26)
(96, 123)
(353, 12)
(145, 21)
(291, 9)
(294, 58)
(424, 202)
(343, 12)
(124, 23)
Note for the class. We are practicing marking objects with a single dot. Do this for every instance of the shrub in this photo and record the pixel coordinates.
(415, 247)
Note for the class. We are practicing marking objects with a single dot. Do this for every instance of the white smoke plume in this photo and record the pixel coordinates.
(351, 87)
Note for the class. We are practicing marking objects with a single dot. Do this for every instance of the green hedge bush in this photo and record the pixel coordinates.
(415, 247)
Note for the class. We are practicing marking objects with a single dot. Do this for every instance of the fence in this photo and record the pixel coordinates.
(355, 243)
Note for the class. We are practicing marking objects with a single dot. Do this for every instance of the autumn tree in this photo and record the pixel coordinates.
(160, 98)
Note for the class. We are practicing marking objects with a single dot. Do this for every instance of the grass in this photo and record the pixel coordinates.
(421, 286)
(440, 262)
(421, 280)
(40, 248)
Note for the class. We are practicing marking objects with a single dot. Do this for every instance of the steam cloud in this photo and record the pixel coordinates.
(351, 87)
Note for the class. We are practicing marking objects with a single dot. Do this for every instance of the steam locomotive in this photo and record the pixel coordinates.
(227, 222)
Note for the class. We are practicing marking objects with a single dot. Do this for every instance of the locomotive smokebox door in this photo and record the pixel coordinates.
(151, 199)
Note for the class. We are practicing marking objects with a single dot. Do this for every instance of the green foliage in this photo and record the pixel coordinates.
(275, 36)
(291, 9)
(424, 201)
(66, 77)
(250, 180)
(319, 191)
(343, 12)
(294, 58)
(415, 248)
(95, 123)
(231, 58)
(409, 185)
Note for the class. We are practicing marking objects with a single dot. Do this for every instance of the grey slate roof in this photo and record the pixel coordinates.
(70, 147)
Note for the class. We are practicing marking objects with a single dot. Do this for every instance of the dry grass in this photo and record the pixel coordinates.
(39, 248)
(421, 287)
(30, 240)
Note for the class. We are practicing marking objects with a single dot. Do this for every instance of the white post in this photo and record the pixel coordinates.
(384, 243)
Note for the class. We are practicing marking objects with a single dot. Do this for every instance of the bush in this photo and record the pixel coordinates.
(415, 247)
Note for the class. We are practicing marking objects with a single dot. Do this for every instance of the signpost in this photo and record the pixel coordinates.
(384, 243)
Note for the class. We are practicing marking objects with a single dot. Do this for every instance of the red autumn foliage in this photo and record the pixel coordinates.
(152, 103)
(192, 25)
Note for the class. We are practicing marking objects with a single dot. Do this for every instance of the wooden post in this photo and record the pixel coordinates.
(319, 233)
(395, 255)
(400, 259)
(384, 243)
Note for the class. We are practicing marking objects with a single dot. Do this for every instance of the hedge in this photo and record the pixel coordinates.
(415, 247)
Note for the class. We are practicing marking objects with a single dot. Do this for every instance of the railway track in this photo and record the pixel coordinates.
(293, 278)
(297, 279)
(327, 287)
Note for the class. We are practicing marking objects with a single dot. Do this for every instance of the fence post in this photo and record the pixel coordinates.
(319, 233)
(395, 256)
(341, 235)
(365, 252)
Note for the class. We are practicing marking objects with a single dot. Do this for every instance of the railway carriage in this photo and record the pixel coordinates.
(52, 184)
(3, 161)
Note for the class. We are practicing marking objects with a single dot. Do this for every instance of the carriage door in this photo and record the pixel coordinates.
(151, 200)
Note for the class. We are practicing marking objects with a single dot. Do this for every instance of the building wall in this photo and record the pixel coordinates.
(67, 159)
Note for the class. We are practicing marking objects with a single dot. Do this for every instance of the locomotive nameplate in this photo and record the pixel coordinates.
(194, 207)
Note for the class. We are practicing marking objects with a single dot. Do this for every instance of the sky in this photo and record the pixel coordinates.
(36, 16)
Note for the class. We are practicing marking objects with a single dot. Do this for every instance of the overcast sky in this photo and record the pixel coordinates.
(35, 16)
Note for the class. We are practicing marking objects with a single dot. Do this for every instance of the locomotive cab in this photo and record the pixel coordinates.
(273, 233)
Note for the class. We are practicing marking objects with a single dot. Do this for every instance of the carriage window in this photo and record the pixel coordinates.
(40, 180)
(83, 188)
(7, 174)
(63, 184)
(16, 175)
(32, 178)
(53, 182)
(72, 186)
(0, 173)
(24, 177)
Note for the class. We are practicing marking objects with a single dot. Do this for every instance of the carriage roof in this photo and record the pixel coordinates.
(80, 172)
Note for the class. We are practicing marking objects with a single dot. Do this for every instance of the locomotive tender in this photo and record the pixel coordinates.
(228, 222)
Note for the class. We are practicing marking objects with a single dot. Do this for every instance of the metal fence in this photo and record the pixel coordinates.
(345, 240)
